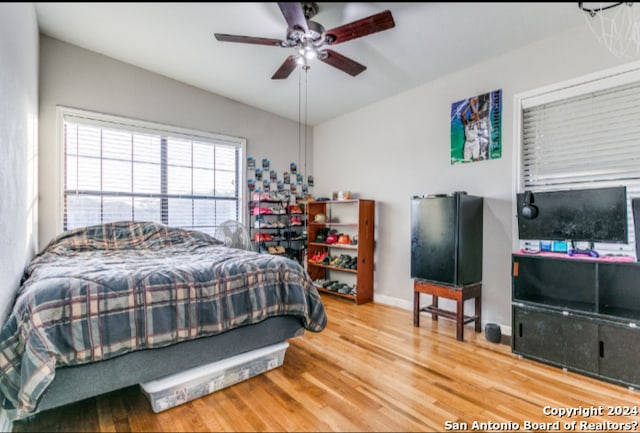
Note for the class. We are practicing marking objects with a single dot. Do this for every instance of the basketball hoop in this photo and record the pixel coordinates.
(616, 25)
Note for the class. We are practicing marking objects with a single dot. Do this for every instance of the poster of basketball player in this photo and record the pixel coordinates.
(476, 128)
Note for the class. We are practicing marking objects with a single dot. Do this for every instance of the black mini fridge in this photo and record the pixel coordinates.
(446, 238)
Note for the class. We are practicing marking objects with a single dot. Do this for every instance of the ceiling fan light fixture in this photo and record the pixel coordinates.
(309, 50)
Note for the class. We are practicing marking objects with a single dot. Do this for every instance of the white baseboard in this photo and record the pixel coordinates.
(506, 330)
(5, 424)
(408, 305)
(394, 302)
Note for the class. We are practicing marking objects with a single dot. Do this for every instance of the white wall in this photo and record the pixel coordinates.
(74, 77)
(18, 144)
(399, 147)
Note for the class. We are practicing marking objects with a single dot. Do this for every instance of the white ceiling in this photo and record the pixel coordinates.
(429, 40)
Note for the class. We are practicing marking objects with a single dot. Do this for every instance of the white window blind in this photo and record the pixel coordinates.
(586, 141)
(114, 172)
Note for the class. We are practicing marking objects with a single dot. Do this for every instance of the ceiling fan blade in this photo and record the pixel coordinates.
(294, 15)
(343, 63)
(362, 27)
(248, 39)
(286, 68)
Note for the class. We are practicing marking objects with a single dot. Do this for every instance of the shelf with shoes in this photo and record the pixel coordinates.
(341, 247)
(344, 247)
(276, 226)
(343, 262)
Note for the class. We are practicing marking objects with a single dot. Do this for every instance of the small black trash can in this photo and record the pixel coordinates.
(492, 332)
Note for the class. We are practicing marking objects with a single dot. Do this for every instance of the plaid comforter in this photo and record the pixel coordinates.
(99, 292)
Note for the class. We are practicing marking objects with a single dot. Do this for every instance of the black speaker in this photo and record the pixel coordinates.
(492, 332)
(528, 211)
(635, 205)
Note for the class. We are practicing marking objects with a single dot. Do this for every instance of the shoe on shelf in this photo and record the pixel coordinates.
(261, 211)
(319, 282)
(344, 289)
(333, 286)
(277, 196)
(294, 209)
(260, 224)
(262, 196)
(261, 237)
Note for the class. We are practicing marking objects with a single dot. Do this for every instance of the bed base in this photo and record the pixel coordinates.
(77, 383)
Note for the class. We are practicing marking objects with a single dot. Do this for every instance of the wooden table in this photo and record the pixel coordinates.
(457, 293)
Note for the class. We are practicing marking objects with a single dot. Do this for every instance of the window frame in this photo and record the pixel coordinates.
(602, 80)
(141, 126)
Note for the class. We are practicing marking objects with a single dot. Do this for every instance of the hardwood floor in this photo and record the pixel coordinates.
(369, 370)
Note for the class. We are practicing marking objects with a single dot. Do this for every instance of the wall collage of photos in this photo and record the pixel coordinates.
(292, 184)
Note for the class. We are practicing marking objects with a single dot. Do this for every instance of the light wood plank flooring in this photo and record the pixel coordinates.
(369, 370)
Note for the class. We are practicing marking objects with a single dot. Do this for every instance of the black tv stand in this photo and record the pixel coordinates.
(578, 313)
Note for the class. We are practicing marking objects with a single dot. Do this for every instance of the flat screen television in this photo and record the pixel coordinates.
(592, 215)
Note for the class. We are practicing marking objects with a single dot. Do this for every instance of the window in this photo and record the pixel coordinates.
(583, 134)
(120, 169)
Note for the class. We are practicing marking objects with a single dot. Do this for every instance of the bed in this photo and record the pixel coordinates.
(113, 305)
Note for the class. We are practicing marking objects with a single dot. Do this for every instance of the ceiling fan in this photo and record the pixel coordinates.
(309, 38)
